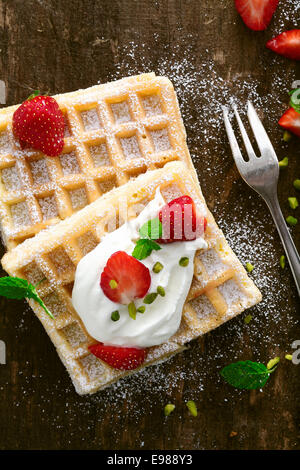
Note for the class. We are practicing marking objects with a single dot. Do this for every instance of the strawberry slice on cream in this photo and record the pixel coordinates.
(156, 296)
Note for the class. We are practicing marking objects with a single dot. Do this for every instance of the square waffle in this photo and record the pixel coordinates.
(113, 132)
(220, 288)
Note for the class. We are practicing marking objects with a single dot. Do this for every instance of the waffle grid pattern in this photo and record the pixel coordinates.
(220, 288)
(113, 133)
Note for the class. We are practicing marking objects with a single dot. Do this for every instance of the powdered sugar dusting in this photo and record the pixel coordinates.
(201, 89)
(130, 147)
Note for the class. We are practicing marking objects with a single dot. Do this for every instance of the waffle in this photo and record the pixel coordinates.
(113, 133)
(220, 288)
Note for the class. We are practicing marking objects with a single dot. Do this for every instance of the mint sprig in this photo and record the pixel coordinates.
(18, 288)
(247, 374)
(144, 248)
(151, 229)
(295, 99)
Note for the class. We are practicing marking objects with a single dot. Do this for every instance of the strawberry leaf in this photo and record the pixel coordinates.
(246, 374)
(18, 288)
(144, 248)
(33, 95)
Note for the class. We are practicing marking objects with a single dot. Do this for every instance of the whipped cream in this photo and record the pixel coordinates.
(161, 318)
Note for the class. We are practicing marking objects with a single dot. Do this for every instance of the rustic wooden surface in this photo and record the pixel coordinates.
(60, 46)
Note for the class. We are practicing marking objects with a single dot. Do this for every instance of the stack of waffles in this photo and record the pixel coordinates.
(123, 141)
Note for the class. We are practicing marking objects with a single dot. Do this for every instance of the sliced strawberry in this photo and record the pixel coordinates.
(286, 44)
(180, 221)
(39, 123)
(290, 120)
(124, 278)
(119, 357)
(256, 14)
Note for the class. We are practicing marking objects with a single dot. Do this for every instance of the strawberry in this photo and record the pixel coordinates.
(290, 120)
(180, 222)
(124, 278)
(256, 14)
(119, 357)
(286, 44)
(39, 123)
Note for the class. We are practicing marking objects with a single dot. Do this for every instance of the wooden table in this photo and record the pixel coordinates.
(210, 55)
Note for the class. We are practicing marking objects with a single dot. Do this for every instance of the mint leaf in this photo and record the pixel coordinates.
(295, 99)
(144, 248)
(13, 287)
(246, 374)
(151, 229)
(34, 295)
(18, 288)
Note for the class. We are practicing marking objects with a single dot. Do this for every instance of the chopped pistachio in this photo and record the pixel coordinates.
(132, 310)
(141, 309)
(286, 136)
(283, 163)
(184, 261)
(249, 267)
(113, 284)
(273, 362)
(157, 267)
(248, 319)
(168, 409)
(289, 357)
(115, 316)
(293, 202)
(192, 407)
(161, 291)
(291, 220)
(282, 261)
(296, 184)
(150, 298)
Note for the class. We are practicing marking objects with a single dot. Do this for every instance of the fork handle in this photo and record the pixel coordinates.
(286, 239)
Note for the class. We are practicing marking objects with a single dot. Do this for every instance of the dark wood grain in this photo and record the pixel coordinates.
(60, 46)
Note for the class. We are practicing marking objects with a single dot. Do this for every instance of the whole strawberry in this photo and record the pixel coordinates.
(180, 221)
(39, 123)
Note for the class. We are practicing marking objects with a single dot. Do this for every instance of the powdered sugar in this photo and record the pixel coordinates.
(201, 90)
(69, 163)
(121, 112)
(151, 105)
(78, 198)
(48, 207)
(130, 147)
(99, 154)
(90, 119)
(39, 172)
(160, 140)
(20, 214)
(10, 178)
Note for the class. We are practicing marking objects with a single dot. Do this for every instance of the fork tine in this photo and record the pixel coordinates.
(248, 145)
(259, 132)
(240, 162)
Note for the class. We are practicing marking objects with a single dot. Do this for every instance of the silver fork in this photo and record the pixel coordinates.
(261, 174)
